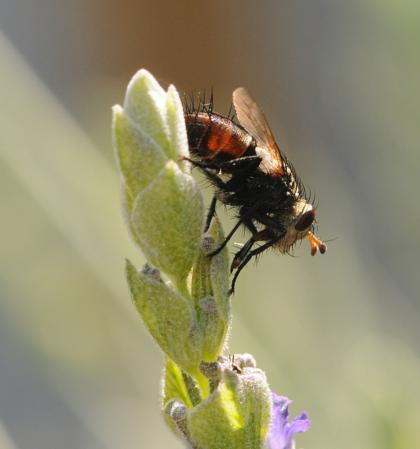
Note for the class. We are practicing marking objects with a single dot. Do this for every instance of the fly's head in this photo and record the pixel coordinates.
(300, 225)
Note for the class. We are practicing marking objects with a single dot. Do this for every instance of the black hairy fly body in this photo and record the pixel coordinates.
(249, 172)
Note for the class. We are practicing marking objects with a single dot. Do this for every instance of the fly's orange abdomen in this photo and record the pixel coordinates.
(211, 136)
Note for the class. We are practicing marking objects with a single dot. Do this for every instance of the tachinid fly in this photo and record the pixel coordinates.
(249, 171)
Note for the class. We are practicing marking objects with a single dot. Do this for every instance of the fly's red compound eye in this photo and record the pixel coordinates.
(305, 221)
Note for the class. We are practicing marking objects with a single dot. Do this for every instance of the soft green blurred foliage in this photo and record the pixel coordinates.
(339, 333)
(5, 440)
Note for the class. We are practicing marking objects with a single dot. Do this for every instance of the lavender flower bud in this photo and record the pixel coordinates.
(210, 292)
(177, 413)
(163, 205)
(236, 415)
(169, 317)
(167, 220)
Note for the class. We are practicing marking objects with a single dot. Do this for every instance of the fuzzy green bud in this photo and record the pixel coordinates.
(145, 104)
(140, 158)
(236, 415)
(176, 415)
(210, 292)
(163, 205)
(167, 220)
(169, 317)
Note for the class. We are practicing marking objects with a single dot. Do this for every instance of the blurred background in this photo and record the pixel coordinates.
(339, 334)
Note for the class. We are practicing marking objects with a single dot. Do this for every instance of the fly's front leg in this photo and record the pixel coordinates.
(257, 236)
(226, 240)
(243, 219)
(241, 254)
(247, 257)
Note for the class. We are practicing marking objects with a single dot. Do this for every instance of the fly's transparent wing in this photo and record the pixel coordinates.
(252, 118)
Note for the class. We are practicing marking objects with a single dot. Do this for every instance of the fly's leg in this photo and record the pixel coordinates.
(246, 257)
(247, 245)
(241, 166)
(257, 236)
(226, 240)
(211, 213)
(207, 170)
(241, 254)
(245, 220)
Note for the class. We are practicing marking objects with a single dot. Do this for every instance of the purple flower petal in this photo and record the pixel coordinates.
(301, 423)
(281, 431)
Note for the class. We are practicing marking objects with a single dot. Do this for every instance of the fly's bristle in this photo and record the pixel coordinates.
(203, 102)
(231, 115)
(211, 100)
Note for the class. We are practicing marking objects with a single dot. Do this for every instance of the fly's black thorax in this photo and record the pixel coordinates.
(266, 193)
